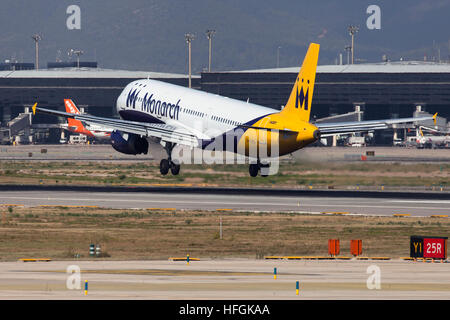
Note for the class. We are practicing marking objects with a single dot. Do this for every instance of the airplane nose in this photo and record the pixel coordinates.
(316, 134)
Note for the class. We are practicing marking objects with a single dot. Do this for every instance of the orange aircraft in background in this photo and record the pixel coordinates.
(76, 126)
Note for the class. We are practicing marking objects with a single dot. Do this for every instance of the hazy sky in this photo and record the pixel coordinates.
(149, 35)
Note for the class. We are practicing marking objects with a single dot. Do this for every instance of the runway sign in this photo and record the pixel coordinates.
(428, 247)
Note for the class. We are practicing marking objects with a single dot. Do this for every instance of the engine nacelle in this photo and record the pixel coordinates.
(128, 143)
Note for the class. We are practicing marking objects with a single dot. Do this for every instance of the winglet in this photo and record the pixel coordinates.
(434, 118)
(34, 108)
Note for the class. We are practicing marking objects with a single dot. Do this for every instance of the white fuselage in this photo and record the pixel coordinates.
(94, 131)
(99, 132)
(159, 102)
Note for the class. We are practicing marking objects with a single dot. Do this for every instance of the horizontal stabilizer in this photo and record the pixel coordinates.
(330, 129)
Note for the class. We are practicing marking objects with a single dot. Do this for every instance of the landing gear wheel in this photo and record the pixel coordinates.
(164, 166)
(167, 164)
(175, 169)
(264, 168)
(253, 169)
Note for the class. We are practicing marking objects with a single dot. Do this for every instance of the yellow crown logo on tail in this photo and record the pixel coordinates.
(299, 103)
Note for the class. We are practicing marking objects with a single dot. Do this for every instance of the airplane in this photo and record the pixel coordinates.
(152, 110)
(76, 126)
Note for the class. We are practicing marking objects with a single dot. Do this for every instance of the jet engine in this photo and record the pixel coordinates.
(128, 143)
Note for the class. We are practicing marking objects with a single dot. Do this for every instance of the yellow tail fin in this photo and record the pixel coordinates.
(299, 103)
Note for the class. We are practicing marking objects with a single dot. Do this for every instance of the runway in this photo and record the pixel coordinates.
(228, 279)
(190, 199)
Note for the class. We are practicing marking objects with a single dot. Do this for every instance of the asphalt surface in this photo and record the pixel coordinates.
(104, 152)
(367, 203)
(225, 279)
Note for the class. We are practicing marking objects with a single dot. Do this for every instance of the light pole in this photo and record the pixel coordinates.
(209, 34)
(36, 37)
(78, 53)
(348, 49)
(352, 30)
(189, 37)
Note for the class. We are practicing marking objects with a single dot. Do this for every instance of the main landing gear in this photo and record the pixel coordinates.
(255, 168)
(167, 164)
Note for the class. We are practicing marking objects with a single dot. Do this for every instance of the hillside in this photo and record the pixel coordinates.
(149, 35)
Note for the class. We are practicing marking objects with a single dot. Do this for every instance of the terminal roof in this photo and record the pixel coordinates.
(88, 73)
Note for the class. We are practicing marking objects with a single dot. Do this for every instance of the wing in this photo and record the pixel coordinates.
(335, 128)
(169, 133)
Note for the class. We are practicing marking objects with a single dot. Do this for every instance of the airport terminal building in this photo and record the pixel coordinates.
(94, 91)
(384, 90)
(364, 91)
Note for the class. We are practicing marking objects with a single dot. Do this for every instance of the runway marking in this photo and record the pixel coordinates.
(208, 202)
(421, 201)
(332, 212)
(221, 203)
(148, 289)
(68, 206)
(165, 272)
